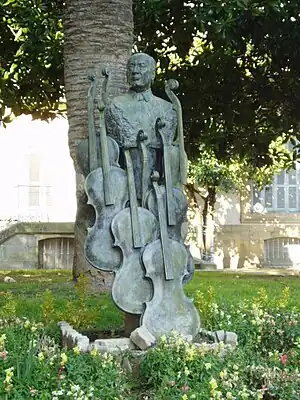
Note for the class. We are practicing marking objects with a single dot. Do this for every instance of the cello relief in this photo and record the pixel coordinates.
(137, 231)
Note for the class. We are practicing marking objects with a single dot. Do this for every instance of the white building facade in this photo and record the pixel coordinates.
(37, 175)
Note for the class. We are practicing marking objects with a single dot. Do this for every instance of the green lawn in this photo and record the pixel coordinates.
(230, 287)
(29, 292)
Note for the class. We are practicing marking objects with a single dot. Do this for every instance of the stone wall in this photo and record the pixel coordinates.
(245, 242)
(240, 233)
(19, 243)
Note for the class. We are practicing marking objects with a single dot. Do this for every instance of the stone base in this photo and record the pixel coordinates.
(142, 341)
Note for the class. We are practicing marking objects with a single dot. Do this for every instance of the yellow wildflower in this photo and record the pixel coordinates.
(2, 341)
(94, 352)
(27, 323)
(76, 350)
(64, 358)
(213, 384)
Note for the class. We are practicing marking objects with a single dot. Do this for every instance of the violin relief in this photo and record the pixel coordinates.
(134, 179)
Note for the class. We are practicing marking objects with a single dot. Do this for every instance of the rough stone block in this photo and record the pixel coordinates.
(114, 346)
(8, 279)
(220, 336)
(188, 338)
(142, 338)
(71, 338)
(231, 339)
(131, 364)
(83, 343)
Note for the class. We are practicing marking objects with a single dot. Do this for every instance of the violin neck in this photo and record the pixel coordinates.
(145, 169)
(135, 223)
(105, 160)
(93, 159)
(168, 178)
(180, 136)
(164, 237)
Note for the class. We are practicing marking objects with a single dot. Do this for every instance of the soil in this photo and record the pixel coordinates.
(95, 334)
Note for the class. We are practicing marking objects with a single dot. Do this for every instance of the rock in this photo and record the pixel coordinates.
(71, 338)
(142, 338)
(113, 346)
(188, 338)
(83, 343)
(205, 336)
(231, 338)
(131, 363)
(8, 279)
(220, 336)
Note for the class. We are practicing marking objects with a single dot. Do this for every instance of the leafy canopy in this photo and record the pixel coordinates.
(31, 60)
(238, 65)
(237, 62)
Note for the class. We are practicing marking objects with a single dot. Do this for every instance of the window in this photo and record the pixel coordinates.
(33, 196)
(276, 251)
(34, 168)
(283, 195)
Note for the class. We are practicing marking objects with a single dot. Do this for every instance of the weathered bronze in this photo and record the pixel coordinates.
(107, 200)
(169, 308)
(139, 215)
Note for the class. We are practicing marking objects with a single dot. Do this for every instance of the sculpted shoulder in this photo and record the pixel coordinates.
(126, 99)
(121, 100)
(163, 104)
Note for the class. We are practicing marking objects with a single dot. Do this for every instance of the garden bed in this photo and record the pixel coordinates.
(265, 313)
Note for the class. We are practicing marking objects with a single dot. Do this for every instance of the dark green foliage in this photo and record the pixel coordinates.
(31, 59)
(241, 90)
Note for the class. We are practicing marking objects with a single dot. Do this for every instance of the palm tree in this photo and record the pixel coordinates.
(98, 33)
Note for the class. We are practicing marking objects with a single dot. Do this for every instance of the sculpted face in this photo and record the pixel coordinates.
(140, 72)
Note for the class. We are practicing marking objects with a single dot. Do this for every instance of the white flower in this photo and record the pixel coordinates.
(207, 366)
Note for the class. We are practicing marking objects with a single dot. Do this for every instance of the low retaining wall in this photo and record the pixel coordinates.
(19, 243)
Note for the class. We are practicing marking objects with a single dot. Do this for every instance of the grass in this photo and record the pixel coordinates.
(29, 291)
(30, 287)
(231, 288)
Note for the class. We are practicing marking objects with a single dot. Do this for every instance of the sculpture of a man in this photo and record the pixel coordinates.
(137, 110)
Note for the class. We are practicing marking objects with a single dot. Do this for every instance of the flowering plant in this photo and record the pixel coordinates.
(33, 365)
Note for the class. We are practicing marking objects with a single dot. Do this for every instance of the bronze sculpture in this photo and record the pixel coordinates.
(138, 218)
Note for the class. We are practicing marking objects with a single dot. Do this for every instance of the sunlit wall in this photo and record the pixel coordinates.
(37, 175)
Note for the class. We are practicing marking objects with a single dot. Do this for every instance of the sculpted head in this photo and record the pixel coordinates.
(140, 72)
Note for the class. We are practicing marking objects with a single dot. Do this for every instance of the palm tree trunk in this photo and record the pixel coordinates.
(98, 33)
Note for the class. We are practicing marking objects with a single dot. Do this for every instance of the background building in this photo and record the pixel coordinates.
(38, 201)
(260, 229)
(37, 176)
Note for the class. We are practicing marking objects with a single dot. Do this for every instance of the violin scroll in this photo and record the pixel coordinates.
(159, 124)
(155, 176)
(172, 84)
(142, 136)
